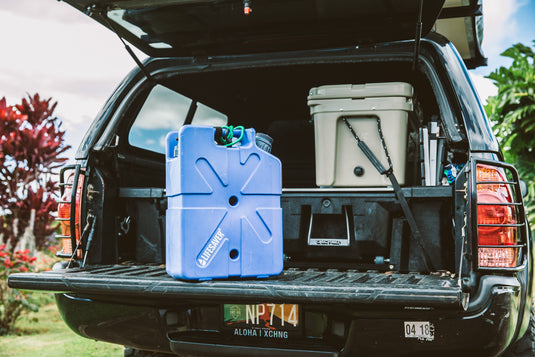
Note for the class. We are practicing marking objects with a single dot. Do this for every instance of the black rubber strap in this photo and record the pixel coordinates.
(412, 222)
(397, 189)
(368, 152)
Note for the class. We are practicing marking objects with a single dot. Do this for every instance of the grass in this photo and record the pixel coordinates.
(44, 334)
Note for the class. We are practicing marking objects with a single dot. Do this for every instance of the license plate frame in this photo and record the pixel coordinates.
(262, 320)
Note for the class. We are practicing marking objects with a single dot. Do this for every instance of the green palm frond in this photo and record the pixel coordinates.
(512, 113)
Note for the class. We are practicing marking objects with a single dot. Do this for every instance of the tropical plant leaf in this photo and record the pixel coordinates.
(512, 112)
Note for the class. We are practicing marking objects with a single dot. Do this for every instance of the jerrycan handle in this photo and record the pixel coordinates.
(229, 135)
(171, 150)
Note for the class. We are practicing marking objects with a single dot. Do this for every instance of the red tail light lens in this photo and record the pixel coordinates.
(64, 215)
(496, 219)
(496, 216)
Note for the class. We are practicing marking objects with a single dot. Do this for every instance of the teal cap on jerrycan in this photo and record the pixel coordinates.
(224, 216)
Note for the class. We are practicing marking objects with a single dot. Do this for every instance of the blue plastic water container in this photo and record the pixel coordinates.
(224, 216)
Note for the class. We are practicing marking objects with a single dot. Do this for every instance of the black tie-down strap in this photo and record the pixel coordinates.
(416, 235)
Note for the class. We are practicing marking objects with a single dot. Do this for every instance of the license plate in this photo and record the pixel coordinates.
(273, 321)
(422, 330)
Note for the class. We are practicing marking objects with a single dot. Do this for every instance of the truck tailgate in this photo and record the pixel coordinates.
(293, 285)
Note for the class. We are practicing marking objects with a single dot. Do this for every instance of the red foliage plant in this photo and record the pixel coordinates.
(31, 143)
(14, 302)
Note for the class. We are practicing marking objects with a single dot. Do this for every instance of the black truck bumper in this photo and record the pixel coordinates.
(343, 313)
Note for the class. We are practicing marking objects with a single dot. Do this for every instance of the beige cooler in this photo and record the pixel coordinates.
(337, 153)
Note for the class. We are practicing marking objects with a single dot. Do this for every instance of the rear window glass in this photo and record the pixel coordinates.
(165, 110)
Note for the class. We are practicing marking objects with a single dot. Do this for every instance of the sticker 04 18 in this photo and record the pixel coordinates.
(421, 330)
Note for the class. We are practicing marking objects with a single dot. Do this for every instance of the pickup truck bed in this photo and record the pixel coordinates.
(293, 285)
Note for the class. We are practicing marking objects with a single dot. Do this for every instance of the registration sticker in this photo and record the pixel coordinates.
(421, 330)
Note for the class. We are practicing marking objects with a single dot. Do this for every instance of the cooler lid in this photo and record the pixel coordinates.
(357, 91)
(348, 106)
(163, 28)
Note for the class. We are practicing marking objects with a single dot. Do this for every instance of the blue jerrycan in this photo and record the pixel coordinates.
(224, 216)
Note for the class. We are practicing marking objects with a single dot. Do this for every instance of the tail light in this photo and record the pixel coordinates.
(499, 211)
(69, 213)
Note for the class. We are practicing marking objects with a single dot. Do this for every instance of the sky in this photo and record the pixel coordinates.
(505, 22)
(50, 48)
